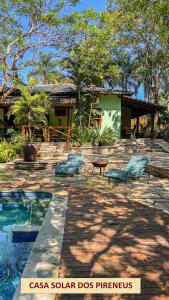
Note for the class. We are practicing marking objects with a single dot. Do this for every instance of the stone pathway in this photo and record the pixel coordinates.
(112, 236)
(112, 230)
(163, 145)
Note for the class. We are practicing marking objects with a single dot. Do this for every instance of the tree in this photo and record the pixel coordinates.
(88, 62)
(46, 71)
(127, 67)
(27, 26)
(30, 109)
(144, 33)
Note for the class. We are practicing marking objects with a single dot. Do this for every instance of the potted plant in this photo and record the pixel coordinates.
(30, 110)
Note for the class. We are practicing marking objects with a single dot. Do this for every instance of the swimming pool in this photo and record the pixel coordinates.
(17, 209)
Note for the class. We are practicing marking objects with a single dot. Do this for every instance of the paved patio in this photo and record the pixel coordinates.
(112, 230)
(111, 236)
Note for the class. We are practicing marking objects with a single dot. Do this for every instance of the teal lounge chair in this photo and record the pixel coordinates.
(134, 169)
(71, 166)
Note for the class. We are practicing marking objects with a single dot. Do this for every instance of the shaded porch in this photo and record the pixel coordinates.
(58, 128)
(138, 118)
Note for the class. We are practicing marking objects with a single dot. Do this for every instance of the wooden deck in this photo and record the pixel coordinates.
(108, 236)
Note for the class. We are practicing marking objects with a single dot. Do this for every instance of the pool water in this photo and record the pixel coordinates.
(17, 209)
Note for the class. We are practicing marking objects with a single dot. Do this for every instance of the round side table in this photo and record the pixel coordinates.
(101, 164)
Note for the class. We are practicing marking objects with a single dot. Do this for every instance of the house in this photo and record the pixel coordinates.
(116, 109)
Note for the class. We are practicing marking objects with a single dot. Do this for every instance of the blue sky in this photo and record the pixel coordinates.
(97, 4)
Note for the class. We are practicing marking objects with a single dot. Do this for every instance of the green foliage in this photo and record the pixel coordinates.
(164, 118)
(166, 133)
(92, 136)
(84, 111)
(143, 32)
(27, 27)
(89, 61)
(7, 152)
(106, 137)
(46, 70)
(127, 44)
(15, 140)
(30, 109)
(87, 137)
(163, 131)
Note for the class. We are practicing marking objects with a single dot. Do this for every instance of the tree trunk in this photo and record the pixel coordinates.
(29, 129)
(29, 133)
(155, 78)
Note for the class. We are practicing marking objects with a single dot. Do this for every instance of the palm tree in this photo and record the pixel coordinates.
(30, 109)
(127, 64)
(46, 70)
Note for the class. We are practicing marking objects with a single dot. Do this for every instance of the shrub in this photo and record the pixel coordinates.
(33, 105)
(93, 136)
(164, 133)
(86, 137)
(106, 137)
(15, 140)
(7, 152)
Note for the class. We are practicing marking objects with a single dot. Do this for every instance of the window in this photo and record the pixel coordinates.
(60, 112)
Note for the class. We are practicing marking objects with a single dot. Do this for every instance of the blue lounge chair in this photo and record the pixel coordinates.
(134, 169)
(71, 166)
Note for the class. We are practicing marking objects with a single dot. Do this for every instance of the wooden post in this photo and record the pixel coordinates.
(23, 134)
(68, 126)
(152, 124)
(137, 127)
(46, 134)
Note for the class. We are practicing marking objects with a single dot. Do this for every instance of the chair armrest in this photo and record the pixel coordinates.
(61, 162)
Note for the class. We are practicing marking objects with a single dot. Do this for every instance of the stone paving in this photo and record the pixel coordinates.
(112, 230)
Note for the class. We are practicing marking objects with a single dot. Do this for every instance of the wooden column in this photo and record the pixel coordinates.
(68, 125)
(23, 134)
(152, 124)
(46, 134)
(137, 127)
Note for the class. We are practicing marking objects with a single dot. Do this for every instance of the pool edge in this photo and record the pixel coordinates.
(49, 242)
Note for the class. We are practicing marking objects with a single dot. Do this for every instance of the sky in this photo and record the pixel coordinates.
(97, 4)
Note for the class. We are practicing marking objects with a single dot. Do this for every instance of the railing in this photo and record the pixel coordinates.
(46, 134)
(49, 130)
(4, 130)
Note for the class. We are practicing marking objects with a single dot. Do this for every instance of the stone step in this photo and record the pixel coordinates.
(46, 154)
(51, 150)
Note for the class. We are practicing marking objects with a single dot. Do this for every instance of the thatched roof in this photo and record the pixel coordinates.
(64, 93)
(68, 88)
